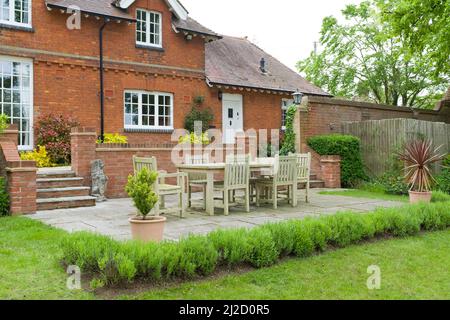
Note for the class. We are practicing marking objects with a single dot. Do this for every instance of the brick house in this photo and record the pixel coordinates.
(135, 64)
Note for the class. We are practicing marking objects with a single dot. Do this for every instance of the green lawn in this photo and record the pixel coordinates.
(412, 268)
(366, 194)
(29, 267)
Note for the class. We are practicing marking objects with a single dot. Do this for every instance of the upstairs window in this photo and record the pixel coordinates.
(148, 28)
(15, 12)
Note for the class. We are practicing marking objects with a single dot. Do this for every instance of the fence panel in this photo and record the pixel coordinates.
(381, 139)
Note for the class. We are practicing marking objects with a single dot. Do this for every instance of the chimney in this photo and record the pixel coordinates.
(262, 65)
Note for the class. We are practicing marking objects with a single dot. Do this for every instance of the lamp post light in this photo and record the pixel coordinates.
(298, 96)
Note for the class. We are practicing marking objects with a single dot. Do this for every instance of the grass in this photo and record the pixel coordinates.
(29, 267)
(366, 194)
(412, 268)
(438, 196)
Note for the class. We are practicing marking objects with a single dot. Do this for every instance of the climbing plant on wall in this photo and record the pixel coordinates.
(288, 145)
(198, 113)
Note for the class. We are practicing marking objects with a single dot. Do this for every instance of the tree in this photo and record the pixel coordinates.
(362, 60)
(424, 24)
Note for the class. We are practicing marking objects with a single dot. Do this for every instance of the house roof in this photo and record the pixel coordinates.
(193, 26)
(236, 62)
(175, 6)
(118, 10)
(104, 8)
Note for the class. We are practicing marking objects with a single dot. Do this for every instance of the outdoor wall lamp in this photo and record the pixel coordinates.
(220, 95)
(298, 96)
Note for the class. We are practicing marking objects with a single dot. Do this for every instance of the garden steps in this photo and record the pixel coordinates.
(65, 203)
(56, 174)
(44, 183)
(61, 189)
(63, 192)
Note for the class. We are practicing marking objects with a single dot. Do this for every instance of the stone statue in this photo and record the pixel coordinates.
(99, 180)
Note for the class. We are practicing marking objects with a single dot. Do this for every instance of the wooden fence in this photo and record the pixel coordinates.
(381, 139)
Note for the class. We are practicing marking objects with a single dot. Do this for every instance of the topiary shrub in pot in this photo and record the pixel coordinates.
(418, 157)
(140, 188)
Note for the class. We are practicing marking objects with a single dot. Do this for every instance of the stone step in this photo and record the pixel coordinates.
(313, 176)
(65, 203)
(47, 183)
(63, 192)
(55, 174)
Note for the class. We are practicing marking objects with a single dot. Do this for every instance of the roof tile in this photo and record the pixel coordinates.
(236, 62)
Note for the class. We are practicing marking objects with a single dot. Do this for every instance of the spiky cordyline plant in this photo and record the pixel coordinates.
(418, 157)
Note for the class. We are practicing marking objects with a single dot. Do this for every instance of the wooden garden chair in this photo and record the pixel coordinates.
(163, 189)
(304, 171)
(196, 180)
(285, 176)
(237, 177)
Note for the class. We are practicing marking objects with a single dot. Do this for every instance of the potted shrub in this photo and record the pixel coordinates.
(418, 157)
(140, 188)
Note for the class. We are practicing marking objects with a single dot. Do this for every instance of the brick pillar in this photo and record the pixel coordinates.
(10, 134)
(331, 171)
(21, 186)
(83, 145)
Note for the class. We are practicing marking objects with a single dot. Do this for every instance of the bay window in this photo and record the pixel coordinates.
(16, 78)
(148, 110)
(15, 12)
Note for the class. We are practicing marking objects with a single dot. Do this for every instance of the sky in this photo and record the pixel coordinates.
(286, 29)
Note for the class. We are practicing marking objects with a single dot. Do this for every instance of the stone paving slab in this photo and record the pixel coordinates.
(111, 218)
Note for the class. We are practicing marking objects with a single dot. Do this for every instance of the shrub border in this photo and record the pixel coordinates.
(114, 262)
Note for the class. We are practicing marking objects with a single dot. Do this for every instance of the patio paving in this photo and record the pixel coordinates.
(111, 217)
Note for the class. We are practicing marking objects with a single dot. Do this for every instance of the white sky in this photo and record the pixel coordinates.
(285, 29)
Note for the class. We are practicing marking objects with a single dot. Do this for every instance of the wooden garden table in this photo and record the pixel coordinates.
(209, 169)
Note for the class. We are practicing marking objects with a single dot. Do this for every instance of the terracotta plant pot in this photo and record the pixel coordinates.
(416, 197)
(151, 229)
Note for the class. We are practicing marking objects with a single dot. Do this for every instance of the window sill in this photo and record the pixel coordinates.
(137, 130)
(16, 27)
(149, 47)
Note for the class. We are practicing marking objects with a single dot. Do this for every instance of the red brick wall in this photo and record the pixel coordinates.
(118, 158)
(70, 84)
(20, 175)
(325, 115)
(66, 74)
(50, 33)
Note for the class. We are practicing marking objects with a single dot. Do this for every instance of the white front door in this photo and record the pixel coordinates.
(232, 117)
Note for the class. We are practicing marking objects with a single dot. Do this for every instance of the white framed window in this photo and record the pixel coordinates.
(148, 110)
(16, 96)
(149, 28)
(285, 104)
(15, 12)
